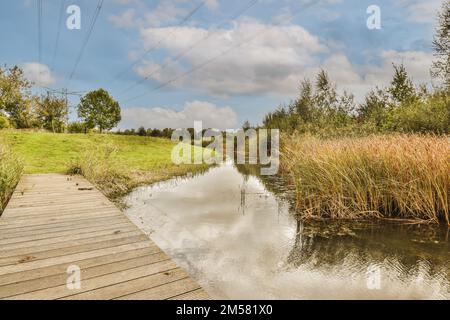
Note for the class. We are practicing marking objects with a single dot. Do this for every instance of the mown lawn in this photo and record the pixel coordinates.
(51, 153)
(115, 164)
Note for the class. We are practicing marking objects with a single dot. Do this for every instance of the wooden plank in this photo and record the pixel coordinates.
(50, 224)
(104, 242)
(49, 238)
(164, 292)
(86, 273)
(83, 264)
(198, 294)
(132, 286)
(98, 282)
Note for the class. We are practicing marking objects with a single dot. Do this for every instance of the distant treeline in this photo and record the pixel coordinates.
(401, 107)
(142, 132)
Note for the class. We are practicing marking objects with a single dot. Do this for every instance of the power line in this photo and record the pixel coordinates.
(181, 54)
(207, 62)
(156, 46)
(86, 40)
(39, 13)
(58, 34)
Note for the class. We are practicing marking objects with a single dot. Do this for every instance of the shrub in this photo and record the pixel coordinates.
(98, 165)
(4, 122)
(10, 172)
(76, 127)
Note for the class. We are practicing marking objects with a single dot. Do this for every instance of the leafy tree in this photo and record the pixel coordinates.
(375, 108)
(246, 125)
(304, 103)
(401, 89)
(441, 45)
(15, 97)
(99, 110)
(142, 132)
(52, 112)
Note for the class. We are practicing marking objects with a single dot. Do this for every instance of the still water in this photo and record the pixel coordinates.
(237, 235)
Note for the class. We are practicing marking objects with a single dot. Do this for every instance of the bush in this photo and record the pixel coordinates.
(76, 127)
(4, 122)
(10, 172)
(430, 115)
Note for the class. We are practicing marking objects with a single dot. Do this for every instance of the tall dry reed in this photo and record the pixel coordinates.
(380, 176)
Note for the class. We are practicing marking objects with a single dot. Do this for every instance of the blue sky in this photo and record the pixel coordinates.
(243, 67)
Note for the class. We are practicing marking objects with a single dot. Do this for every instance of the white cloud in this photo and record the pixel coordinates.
(417, 64)
(264, 58)
(39, 74)
(360, 79)
(421, 11)
(127, 19)
(211, 115)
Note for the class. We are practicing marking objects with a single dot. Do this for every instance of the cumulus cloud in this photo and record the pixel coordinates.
(421, 11)
(165, 12)
(39, 74)
(359, 79)
(127, 19)
(264, 58)
(417, 64)
(159, 118)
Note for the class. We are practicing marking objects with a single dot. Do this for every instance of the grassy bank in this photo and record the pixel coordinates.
(383, 176)
(115, 164)
(10, 172)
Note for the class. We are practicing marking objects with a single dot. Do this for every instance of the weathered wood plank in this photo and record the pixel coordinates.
(50, 224)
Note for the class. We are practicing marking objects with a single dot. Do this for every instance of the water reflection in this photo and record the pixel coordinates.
(241, 241)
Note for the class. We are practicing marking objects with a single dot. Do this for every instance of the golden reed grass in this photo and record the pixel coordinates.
(380, 176)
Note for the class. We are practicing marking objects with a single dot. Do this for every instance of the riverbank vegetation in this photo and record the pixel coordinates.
(378, 176)
(10, 172)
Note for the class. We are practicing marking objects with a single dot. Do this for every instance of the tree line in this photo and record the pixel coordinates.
(21, 109)
(143, 132)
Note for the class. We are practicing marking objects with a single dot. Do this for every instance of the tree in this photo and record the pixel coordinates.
(304, 103)
(441, 46)
(52, 113)
(99, 110)
(246, 125)
(401, 89)
(142, 132)
(15, 97)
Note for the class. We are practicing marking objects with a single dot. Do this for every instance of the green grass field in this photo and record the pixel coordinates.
(115, 164)
(51, 153)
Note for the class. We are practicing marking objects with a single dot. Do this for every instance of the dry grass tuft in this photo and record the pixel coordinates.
(11, 169)
(382, 176)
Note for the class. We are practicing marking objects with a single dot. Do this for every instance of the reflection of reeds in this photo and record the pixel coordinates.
(389, 176)
(10, 172)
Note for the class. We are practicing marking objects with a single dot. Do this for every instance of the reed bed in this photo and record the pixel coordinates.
(397, 176)
(11, 169)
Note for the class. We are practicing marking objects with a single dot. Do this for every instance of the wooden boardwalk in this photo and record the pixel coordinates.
(54, 223)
